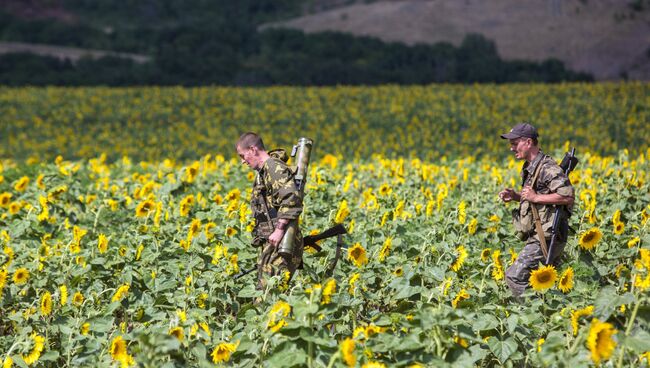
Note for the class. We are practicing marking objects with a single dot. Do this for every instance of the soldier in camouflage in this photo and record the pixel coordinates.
(275, 201)
(552, 188)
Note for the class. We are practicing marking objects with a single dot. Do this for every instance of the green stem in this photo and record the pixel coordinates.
(628, 330)
(310, 344)
(333, 359)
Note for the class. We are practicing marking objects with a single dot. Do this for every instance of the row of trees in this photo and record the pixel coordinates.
(188, 47)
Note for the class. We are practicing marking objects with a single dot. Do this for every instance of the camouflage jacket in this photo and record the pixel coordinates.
(274, 183)
(551, 179)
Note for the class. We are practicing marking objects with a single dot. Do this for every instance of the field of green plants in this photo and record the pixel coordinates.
(124, 218)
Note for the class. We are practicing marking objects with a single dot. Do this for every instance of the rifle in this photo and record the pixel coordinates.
(310, 241)
(569, 162)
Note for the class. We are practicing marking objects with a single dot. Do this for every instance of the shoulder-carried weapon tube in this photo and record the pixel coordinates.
(301, 153)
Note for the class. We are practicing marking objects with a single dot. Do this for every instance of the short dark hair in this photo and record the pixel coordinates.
(250, 139)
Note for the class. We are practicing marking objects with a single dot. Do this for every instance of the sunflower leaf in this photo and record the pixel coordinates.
(502, 349)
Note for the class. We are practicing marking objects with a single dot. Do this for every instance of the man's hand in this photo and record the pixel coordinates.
(529, 194)
(508, 195)
(276, 237)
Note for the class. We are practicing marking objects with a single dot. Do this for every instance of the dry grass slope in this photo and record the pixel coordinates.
(602, 37)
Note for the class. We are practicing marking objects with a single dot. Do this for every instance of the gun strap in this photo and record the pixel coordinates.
(538, 221)
(264, 203)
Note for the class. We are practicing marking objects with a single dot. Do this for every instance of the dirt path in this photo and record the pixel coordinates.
(62, 52)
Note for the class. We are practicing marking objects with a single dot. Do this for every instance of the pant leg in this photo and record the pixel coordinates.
(518, 274)
(270, 263)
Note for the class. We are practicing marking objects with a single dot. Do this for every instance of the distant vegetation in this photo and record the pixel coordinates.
(203, 42)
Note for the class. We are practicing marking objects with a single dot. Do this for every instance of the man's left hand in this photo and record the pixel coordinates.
(276, 237)
(529, 194)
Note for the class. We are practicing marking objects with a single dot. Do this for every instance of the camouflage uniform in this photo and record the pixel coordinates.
(551, 179)
(274, 184)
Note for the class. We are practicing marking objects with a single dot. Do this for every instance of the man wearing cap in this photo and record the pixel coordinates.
(544, 187)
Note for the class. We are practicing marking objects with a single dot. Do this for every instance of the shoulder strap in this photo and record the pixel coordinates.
(538, 221)
(260, 177)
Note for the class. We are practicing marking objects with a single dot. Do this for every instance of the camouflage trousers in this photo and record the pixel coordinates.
(529, 258)
(271, 263)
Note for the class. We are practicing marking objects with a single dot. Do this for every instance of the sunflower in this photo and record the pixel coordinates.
(352, 282)
(342, 212)
(119, 353)
(144, 208)
(78, 234)
(21, 184)
(277, 314)
(77, 299)
(85, 328)
(21, 276)
(233, 265)
(385, 249)
(233, 195)
(460, 259)
(485, 254)
(102, 243)
(191, 172)
(543, 278)
(230, 231)
(357, 254)
(575, 317)
(590, 238)
(222, 352)
(372, 330)
(566, 281)
(633, 242)
(5, 199)
(3, 279)
(497, 269)
(347, 351)
(619, 228)
(462, 295)
(120, 293)
(186, 204)
(328, 290)
(399, 272)
(462, 213)
(177, 332)
(385, 190)
(37, 349)
(15, 207)
(46, 303)
(461, 341)
(600, 341)
(471, 228)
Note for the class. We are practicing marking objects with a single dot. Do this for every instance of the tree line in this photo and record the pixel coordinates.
(224, 46)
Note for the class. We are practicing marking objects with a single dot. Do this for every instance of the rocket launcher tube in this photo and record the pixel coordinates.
(301, 152)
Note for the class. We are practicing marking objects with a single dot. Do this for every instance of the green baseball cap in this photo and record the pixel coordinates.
(521, 130)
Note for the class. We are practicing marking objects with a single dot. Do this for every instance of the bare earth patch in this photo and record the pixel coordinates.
(602, 37)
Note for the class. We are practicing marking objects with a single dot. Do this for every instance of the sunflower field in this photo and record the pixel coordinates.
(124, 220)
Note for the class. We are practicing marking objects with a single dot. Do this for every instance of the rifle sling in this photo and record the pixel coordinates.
(264, 203)
(538, 222)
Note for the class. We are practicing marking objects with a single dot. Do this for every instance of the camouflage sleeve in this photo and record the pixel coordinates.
(286, 197)
(555, 180)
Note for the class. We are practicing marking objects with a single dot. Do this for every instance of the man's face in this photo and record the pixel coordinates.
(249, 156)
(521, 147)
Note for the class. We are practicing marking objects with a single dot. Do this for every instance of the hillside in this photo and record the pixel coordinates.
(606, 38)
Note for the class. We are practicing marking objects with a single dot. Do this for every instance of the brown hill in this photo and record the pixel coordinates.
(604, 37)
